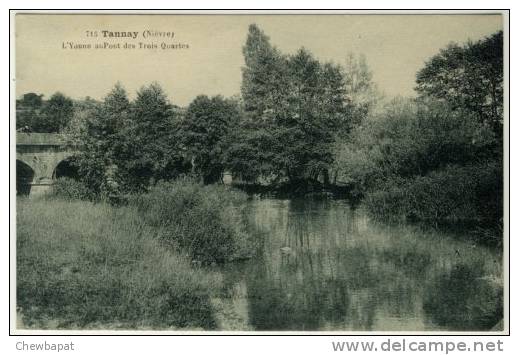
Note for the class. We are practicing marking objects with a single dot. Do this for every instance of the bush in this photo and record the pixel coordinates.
(454, 193)
(389, 201)
(70, 189)
(207, 222)
(95, 266)
(423, 160)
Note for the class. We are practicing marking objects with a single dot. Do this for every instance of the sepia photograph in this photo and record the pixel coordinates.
(254, 172)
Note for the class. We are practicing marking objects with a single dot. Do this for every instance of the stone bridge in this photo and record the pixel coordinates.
(40, 159)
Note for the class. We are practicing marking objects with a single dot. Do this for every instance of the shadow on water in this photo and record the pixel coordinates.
(324, 266)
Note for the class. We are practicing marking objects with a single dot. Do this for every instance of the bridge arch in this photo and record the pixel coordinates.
(66, 168)
(43, 153)
(24, 178)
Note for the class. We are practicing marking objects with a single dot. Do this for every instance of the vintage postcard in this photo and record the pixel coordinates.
(255, 172)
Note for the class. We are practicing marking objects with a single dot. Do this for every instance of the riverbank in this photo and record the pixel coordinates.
(300, 189)
(93, 266)
(321, 265)
(436, 202)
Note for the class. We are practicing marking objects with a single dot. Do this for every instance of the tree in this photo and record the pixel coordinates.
(31, 100)
(98, 132)
(28, 112)
(468, 80)
(361, 93)
(361, 99)
(251, 154)
(56, 114)
(411, 140)
(264, 81)
(125, 147)
(294, 103)
(315, 107)
(151, 149)
(35, 115)
(468, 77)
(204, 134)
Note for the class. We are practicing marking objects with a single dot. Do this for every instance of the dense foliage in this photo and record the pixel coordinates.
(438, 157)
(204, 134)
(468, 77)
(207, 222)
(127, 146)
(33, 114)
(292, 105)
(69, 189)
(301, 122)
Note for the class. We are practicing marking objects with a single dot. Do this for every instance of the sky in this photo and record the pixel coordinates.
(395, 47)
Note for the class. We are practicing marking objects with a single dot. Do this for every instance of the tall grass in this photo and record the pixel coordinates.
(94, 266)
(66, 188)
(209, 223)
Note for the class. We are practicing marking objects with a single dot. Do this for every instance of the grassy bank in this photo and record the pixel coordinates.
(90, 265)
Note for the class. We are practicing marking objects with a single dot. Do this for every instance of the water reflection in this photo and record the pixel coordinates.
(324, 266)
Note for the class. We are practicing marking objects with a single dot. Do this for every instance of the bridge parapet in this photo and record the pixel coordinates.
(45, 139)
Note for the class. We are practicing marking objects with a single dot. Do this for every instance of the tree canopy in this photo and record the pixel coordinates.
(468, 76)
(204, 134)
(127, 146)
(293, 103)
(51, 116)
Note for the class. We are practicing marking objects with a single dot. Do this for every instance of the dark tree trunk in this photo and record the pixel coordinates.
(326, 178)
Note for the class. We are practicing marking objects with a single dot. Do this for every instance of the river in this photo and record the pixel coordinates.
(323, 266)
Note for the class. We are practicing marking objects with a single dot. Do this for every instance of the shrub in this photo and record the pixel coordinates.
(423, 160)
(95, 266)
(454, 193)
(207, 222)
(70, 189)
(389, 201)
